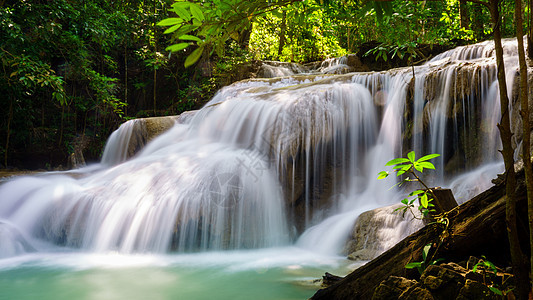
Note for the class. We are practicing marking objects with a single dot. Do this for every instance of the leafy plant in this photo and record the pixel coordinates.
(488, 269)
(422, 265)
(410, 166)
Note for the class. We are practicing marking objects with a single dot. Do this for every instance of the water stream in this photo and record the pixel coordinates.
(255, 193)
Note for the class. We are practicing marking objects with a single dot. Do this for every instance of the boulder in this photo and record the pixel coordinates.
(392, 287)
(378, 230)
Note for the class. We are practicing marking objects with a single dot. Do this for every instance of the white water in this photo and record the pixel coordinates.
(266, 163)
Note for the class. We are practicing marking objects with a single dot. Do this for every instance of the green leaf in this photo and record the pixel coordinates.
(382, 175)
(405, 201)
(197, 12)
(417, 192)
(177, 47)
(425, 251)
(496, 290)
(424, 201)
(172, 29)
(413, 265)
(185, 29)
(170, 22)
(401, 166)
(411, 156)
(436, 261)
(426, 165)
(187, 37)
(397, 161)
(193, 57)
(428, 157)
(182, 13)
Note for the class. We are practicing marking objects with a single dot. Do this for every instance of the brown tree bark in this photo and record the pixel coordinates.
(477, 24)
(524, 112)
(530, 32)
(282, 33)
(10, 117)
(463, 14)
(504, 126)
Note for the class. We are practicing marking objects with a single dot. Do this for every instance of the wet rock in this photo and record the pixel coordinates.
(416, 292)
(444, 281)
(392, 288)
(377, 230)
(476, 290)
(146, 129)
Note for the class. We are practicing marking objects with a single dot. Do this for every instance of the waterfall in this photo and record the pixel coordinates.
(270, 162)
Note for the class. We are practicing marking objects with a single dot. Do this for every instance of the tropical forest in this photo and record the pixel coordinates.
(266, 149)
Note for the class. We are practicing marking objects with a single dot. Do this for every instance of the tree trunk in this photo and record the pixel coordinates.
(530, 32)
(505, 134)
(126, 80)
(477, 25)
(524, 112)
(155, 91)
(463, 13)
(10, 117)
(282, 33)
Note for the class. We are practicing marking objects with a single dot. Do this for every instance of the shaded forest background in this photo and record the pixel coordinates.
(73, 70)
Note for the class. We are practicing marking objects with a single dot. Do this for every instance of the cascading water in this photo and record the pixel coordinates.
(266, 164)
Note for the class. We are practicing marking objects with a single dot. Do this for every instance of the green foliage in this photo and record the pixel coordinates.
(69, 67)
(490, 274)
(210, 24)
(308, 35)
(426, 260)
(410, 166)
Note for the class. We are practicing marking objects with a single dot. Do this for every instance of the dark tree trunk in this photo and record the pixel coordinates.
(519, 265)
(282, 33)
(477, 25)
(530, 32)
(463, 13)
(526, 142)
(8, 133)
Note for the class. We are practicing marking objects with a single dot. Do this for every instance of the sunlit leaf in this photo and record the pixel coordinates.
(411, 156)
(424, 201)
(417, 192)
(187, 37)
(197, 12)
(401, 166)
(172, 29)
(426, 165)
(396, 161)
(193, 57)
(182, 13)
(428, 157)
(413, 265)
(382, 175)
(170, 22)
(425, 251)
(177, 47)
